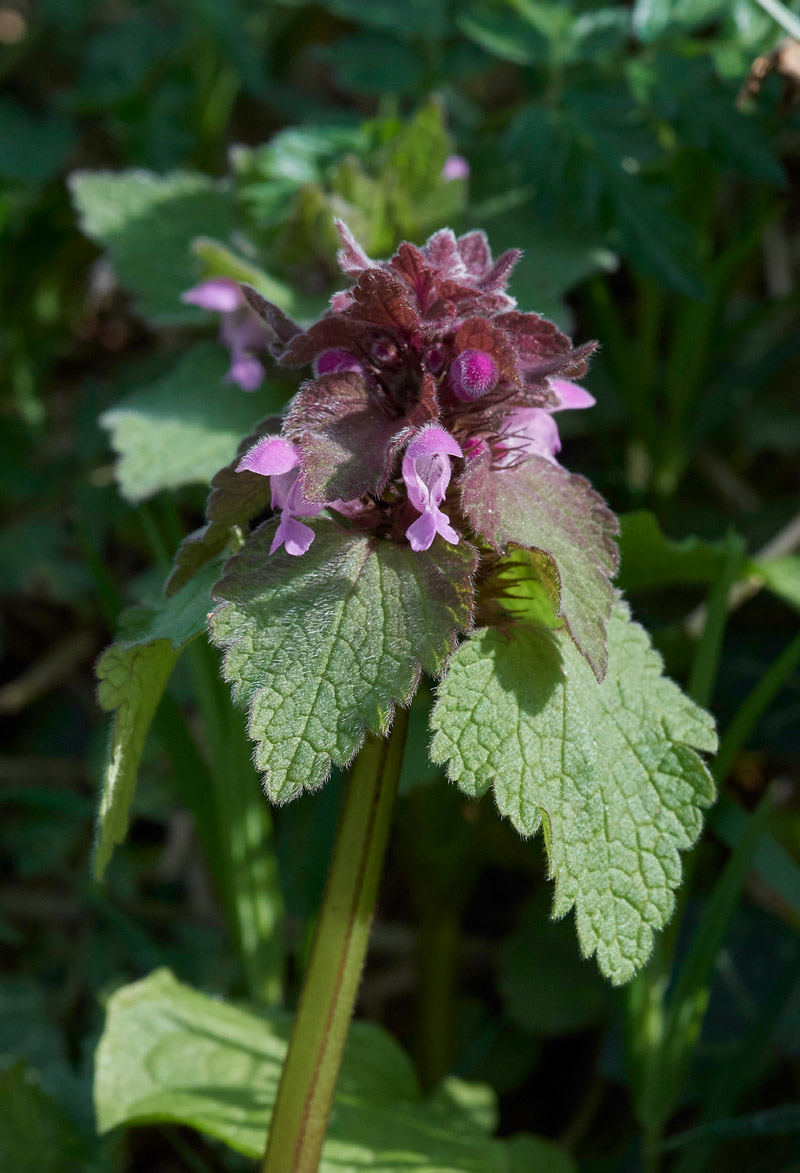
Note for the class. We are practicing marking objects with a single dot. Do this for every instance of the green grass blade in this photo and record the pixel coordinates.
(754, 706)
(687, 1005)
(707, 654)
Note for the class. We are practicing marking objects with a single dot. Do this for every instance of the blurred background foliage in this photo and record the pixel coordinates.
(646, 157)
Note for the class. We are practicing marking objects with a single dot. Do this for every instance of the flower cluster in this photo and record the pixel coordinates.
(422, 368)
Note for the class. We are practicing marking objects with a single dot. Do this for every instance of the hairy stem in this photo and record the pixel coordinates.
(300, 1118)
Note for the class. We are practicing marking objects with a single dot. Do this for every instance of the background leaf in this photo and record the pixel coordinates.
(184, 427)
(132, 676)
(148, 222)
(171, 1054)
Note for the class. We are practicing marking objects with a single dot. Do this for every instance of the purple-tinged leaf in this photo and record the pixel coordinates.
(282, 327)
(323, 647)
(382, 300)
(496, 279)
(411, 266)
(351, 257)
(475, 253)
(541, 506)
(442, 253)
(336, 331)
(347, 437)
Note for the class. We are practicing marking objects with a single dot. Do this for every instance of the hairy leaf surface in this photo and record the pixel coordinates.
(542, 506)
(322, 647)
(132, 675)
(607, 768)
(148, 223)
(182, 428)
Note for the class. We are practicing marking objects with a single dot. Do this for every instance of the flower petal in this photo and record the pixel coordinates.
(246, 371)
(297, 537)
(433, 440)
(571, 395)
(271, 456)
(528, 431)
(421, 532)
(220, 295)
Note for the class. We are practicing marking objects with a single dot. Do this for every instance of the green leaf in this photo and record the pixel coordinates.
(322, 647)
(370, 64)
(182, 428)
(148, 222)
(781, 576)
(414, 18)
(542, 506)
(653, 18)
(36, 1135)
(781, 1121)
(533, 1154)
(504, 33)
(32, 150)
(606, 767)
(171, 1055)
(649, 559)
(132, 676)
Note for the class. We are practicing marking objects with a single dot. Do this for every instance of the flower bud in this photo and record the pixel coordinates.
(473, 374)
(333, 362)
(436, 358)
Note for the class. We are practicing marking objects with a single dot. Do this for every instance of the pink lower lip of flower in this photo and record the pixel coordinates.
(246, 372)
(294, 535)
(219, 295)
(473, 374)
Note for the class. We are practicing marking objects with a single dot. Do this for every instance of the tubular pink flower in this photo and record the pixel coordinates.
(240, 330)
(473, 374)
(426, 472)
(276, 458)
(532, 431)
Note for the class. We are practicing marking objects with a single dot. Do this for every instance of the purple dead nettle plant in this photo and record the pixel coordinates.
(408, 513)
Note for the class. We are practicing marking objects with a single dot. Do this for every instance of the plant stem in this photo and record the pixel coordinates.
(303, 1104)
(439, 938)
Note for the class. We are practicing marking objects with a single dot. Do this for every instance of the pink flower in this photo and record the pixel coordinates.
(532, 431)
(455, 167)
(276, 458)
(240, 330)
(426, 472)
